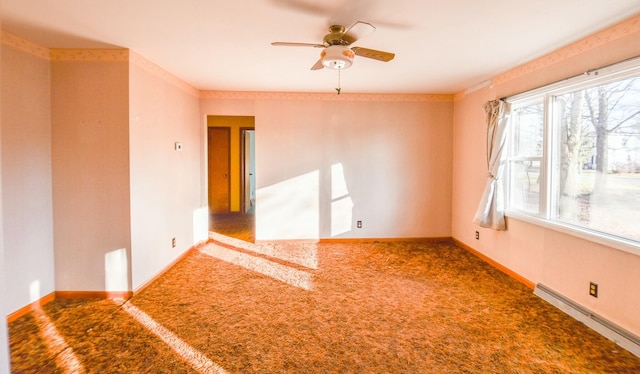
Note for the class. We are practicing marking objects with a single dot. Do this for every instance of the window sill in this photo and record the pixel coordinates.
(624, 245)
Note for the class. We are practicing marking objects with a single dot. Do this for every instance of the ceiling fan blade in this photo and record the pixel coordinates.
(374, 54)
(308, 7)
(318, 65)
(358, 30)
(289, 44)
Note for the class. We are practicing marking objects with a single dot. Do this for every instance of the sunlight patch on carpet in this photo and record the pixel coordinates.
(304, 253)
(66, 359)
(197, 360)
(283, 273)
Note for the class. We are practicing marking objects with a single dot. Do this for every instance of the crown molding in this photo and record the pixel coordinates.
(254, 95)
(24, 45)
(154, 69)
(90, 55)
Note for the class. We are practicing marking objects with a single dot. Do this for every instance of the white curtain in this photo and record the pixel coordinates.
(490, 211)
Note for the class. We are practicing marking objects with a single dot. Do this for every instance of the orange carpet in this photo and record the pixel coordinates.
(234, 306)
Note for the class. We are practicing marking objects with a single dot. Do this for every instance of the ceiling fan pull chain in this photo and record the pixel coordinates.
(339, 88)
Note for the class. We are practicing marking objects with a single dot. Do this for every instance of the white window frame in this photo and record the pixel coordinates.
(543, 218)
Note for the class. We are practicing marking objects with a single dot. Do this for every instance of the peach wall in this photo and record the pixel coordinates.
(4, 309)
(90, 157)
(27, 178)
(324, 162)
(165, 183)
(561, 261)
(71, 170)
(72, 157)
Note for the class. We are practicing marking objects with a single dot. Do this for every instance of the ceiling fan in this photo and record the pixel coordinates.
(337, 52)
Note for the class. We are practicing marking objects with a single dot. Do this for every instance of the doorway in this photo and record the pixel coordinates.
(232, 175)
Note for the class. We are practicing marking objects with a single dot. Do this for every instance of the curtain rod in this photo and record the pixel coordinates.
(634, 61)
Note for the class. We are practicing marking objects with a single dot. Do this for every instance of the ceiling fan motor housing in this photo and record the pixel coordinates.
(337, 57)
(337, 36)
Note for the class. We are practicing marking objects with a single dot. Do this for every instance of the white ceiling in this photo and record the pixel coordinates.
(441, 46)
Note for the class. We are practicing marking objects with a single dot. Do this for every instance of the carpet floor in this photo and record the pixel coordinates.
(234, 306)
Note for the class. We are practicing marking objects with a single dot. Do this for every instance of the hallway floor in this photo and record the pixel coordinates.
(236, 225)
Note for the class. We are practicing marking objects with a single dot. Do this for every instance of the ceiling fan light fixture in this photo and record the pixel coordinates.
(337, 57)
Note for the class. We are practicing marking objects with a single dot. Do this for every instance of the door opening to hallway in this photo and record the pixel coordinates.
(232, 175)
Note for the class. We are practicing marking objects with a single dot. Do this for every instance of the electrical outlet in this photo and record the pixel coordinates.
(359, 224)
(477, 235)
(593, 289)
(173, 242)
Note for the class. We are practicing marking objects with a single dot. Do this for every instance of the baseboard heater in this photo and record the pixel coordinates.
(608, 329)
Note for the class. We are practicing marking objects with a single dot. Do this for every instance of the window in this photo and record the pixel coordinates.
(574, 154)
(525, 150)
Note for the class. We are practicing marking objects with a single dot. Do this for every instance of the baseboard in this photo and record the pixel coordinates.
(170, 265)
(497, 265)
(350, 240)
(604, 327)
(385, 240)
(31, 307)
(94, 294)
(67, 295)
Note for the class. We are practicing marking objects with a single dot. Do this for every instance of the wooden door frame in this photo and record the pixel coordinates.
(242, 165)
